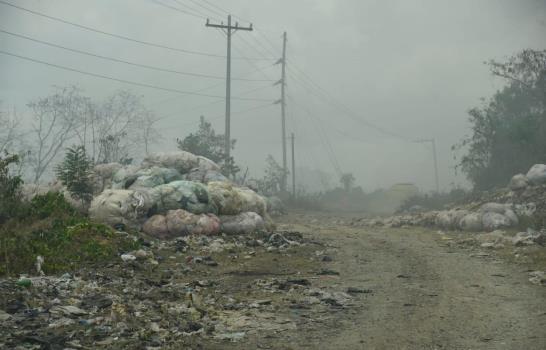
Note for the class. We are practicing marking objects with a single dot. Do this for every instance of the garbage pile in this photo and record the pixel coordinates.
(522, 202)
(172, 294)
(170, 195)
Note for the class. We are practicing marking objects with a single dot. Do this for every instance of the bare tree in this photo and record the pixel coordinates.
(9, 131)
(123, 126)
(56, 120)
(111, 131)
(149, 132)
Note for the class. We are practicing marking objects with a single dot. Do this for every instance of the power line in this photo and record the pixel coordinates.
(244, 111)
(330, 127)
(157, 2)
(213, 86)
(198, 11)
(311, 156)
(123, 37)
(218, 7)
(271, 44)
(120, 80)
(253, 64)
(166, 70)
(216, 12)
(229, 29)
(321, 135)
(217, 101)
(325, 96)
(206, 16)
(222, 12)
(261, 54)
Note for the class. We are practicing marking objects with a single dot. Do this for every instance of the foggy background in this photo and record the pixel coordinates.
(412, 68)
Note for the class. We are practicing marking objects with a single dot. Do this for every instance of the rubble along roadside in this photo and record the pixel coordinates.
(511, 221)
(197, 289)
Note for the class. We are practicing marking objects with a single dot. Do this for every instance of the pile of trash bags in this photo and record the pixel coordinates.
(522, 202)
(489, 217)
(175, 194)
(535, 176)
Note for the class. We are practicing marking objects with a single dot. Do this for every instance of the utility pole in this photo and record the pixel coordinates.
(293, 167)
(435, 158)
(283, 111)
(229, 30)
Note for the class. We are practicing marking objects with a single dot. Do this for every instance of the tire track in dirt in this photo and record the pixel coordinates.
(427, 295)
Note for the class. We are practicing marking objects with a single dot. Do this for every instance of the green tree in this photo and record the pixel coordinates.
(75, 173)
(10, 186)
(509, 131)
(271, 183)
(205, 142)
(348, 181)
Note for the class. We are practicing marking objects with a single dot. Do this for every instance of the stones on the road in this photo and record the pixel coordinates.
(538, 278)
(67, 310)
(96, 301)
(128, 257)
(530, 237)
(230, 336)
(336, 299)
(4, 316)
(354, 290)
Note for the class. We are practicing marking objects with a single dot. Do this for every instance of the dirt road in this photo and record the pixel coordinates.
(334, 287)
(426, 294)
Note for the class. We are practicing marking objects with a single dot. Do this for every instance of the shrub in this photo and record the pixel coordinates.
(75, 173)
(10, 186)
(57, 232)
(49, 205)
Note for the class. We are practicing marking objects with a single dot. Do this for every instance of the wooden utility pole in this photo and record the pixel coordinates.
(435, 159)
(229, 30)
(293, 167)
(435, 155)
(283, 111)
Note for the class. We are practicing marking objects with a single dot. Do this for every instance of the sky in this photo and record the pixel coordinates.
(366, 78)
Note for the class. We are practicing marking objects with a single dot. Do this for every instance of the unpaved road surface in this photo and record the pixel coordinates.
(427, 294)
(316, 284)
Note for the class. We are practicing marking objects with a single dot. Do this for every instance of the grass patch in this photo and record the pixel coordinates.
(67, 240)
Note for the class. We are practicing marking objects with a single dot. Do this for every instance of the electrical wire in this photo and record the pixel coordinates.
(216, 12)
(253, 64)
(217, 7)
(269, 41)
(300, 134)
(260, 53)
(198, 11)
(244, 111)
(217, 101)
(325, 96)
(166, 70)
(96, 75)
(197, 15)
(211, 86)
(122, 37)
(321, 135)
